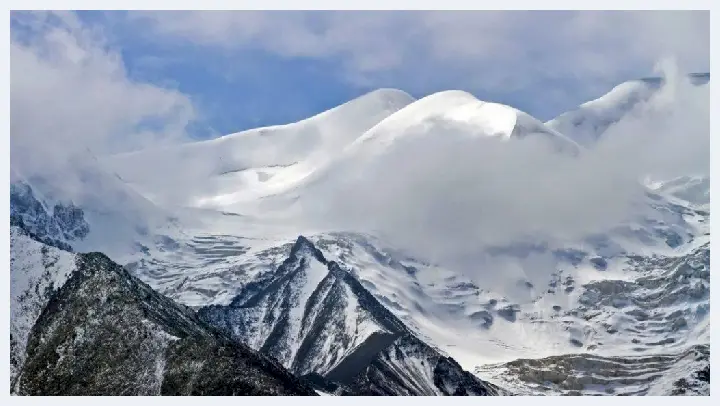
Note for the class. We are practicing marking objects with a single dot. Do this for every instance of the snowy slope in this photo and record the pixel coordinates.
(529, 312)
(256, 162)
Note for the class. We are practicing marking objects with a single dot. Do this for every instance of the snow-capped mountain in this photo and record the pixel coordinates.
(619, 305)
(441, 121)
(257, 162)
(234, 171)
(355, 308)
(314, 317)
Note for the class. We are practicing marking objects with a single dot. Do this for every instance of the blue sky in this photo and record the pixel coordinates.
(261, 90)
(222, 72)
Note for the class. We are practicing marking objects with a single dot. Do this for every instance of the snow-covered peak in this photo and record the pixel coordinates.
(431, 129)
(461, 109)
(304, 248)
(231, 171)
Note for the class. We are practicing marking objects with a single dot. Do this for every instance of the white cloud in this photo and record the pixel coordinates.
(489, 50)
(670, 135)
(69, 92)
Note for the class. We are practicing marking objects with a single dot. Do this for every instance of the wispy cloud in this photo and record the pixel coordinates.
(70, 92)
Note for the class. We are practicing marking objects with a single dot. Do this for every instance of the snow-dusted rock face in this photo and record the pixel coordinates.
(306, 312)
(57, 225)
(314, 317)
(37, 271)
(82, 325)
(670, 374)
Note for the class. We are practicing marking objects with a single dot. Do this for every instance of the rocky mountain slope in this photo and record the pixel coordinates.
(646, 335)
(82, 325)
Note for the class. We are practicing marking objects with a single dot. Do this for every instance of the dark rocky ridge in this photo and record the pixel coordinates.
(104, 332)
